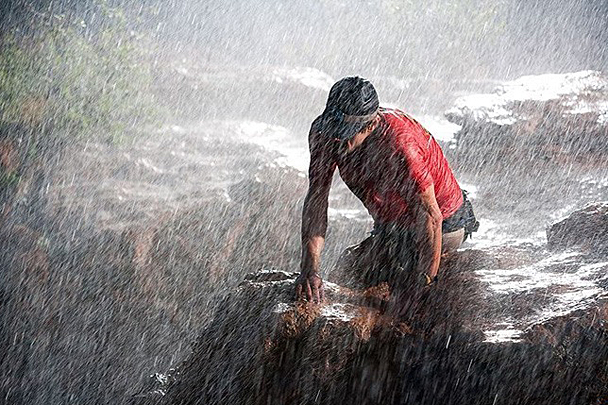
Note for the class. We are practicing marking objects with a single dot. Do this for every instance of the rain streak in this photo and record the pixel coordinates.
(155, 159)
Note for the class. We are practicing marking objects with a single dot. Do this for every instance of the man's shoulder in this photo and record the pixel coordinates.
(398, 118)
(403, 128)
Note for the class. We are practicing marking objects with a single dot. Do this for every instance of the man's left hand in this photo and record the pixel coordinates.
(309, 286)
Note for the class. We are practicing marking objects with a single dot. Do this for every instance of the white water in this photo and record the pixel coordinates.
(572, 288)
(492, 107)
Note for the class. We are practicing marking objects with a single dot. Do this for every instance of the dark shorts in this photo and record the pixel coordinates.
(389, 254)
(464, 217)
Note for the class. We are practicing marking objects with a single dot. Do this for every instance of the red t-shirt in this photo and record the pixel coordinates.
(397, 159)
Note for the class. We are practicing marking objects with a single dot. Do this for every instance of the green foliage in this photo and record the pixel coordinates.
(8, 179)
(85, 83)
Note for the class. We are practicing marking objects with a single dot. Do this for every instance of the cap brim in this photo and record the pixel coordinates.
(347, 127)
(347, 131)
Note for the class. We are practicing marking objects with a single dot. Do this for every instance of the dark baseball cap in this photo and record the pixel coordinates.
(351, 105)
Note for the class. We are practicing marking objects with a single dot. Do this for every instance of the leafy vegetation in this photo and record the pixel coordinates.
(79, 81)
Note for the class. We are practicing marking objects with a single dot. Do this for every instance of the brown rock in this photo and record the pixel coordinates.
(9, 156)
(559, 117)
(265, 349)
(586, 228)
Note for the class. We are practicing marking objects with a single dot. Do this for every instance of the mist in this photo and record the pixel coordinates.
(153, 167)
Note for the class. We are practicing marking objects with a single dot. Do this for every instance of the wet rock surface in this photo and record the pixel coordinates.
(155, 245)
(586, 228)
(470, 340)
(350, 350)
(535, 148)
(554, 116)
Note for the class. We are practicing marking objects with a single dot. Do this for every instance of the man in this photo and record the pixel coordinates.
(396, 168)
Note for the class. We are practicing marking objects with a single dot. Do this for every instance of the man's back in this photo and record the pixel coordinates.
(397, 159)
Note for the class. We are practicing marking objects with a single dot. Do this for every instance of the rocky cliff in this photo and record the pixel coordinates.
(264, 348)
(121, 255)
(516, 318)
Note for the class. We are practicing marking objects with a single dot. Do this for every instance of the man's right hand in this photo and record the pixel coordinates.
(309, 286)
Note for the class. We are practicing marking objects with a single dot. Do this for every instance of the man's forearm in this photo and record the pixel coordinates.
(429, 245)
(311, 254)
(428, 219)
(314, 226)
(309, 285)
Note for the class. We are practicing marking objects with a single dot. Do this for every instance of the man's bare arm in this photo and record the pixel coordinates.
(428, 220)
(314, 218)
